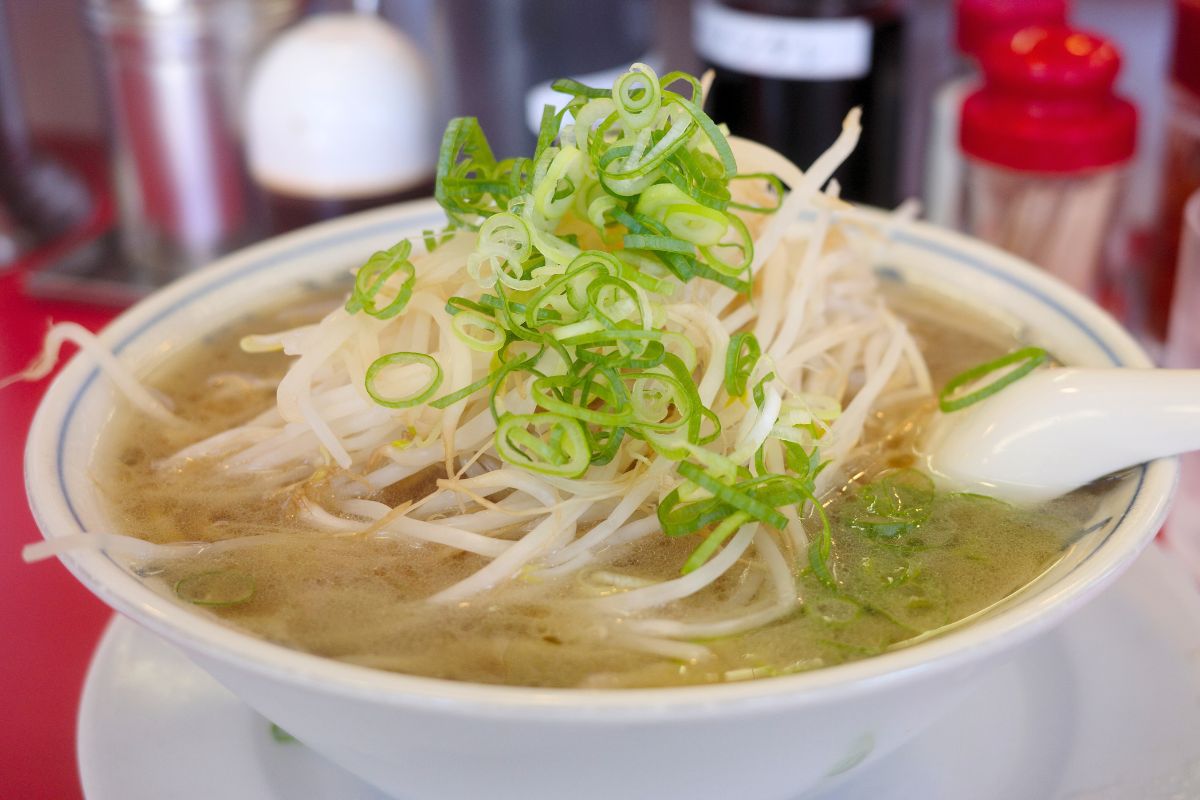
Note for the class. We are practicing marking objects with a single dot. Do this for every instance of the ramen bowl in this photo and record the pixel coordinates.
(425, 738)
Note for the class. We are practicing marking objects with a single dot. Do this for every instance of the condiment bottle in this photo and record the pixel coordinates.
(39, 198)
(788, 71)
(1046, 141)
(174, 73)
(498, 59)
(976, 22)
(1180, 177)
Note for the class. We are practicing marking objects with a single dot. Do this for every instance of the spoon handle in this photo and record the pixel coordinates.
(1059, 429)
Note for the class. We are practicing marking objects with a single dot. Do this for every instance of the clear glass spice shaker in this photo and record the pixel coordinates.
(1046, 141)
(174, 71)
(976, 22)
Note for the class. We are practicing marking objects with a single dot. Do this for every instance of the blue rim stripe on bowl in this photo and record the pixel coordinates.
(948, 252)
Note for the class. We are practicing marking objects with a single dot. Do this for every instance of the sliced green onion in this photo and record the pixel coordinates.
(680, 519)
(667, 244)
(715, 138)
(804, 466)
(1026, 360)
(445, 401)
(554, 192)
(740, 357)
(507, 234)
(741, 250)
(732, 496)
(708, 415)
(399, 360)
(637, 96)
(604, 443)
(894, 503)
(775, 184)
(757, 393)
(561, 449)
(547, 129)
(697, 224)
(373, 275)
(651, 413)
(574, 87)
(543, 390)
(714, 540)
(819, 550)
(457, 304)
(690, 80)
(224, 587)
(469, 186)
(434, 239)
(493, 338)
(614, 300)
(700, 177)
(280, 735)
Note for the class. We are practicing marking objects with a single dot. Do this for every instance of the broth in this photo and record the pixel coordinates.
(362, 600)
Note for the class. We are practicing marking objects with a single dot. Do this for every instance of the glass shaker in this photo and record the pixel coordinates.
(976, 22)
(1046, 142)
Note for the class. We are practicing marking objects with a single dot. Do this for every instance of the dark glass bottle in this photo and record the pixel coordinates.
(497, 54)
(788, 71)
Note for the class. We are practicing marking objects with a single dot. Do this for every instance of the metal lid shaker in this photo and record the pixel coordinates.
(174, 71)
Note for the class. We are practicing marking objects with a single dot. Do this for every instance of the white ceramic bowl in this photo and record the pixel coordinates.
(424, 738)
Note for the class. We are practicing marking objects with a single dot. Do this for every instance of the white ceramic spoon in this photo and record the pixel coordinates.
(1058, 429)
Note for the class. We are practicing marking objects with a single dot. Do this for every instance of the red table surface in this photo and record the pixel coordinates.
(49, 624)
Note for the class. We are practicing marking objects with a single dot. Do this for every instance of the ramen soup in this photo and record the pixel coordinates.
(332, 591)
(643, 414)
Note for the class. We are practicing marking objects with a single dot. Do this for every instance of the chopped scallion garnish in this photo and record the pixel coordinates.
(581, 332)
(1023, 362)
(217, 588)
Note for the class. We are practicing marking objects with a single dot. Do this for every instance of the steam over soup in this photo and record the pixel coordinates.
(643, 414)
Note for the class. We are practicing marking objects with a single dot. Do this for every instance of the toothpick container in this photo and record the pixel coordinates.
(1047, 142)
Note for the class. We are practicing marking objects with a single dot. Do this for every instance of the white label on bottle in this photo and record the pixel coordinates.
(783, 47)
(541, 95)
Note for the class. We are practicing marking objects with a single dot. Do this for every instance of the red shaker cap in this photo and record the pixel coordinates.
(978, 21)
(1047, 104)
(1185, 59)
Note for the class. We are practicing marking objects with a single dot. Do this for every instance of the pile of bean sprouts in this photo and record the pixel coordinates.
(827, 353)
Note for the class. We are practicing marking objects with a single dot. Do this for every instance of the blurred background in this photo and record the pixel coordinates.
(142, 138)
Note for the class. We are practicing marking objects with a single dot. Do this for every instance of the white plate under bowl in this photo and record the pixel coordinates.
(1107, 707)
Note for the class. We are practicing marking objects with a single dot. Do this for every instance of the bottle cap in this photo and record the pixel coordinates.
(1047, 104)
(1185, 59)
(978, 21)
